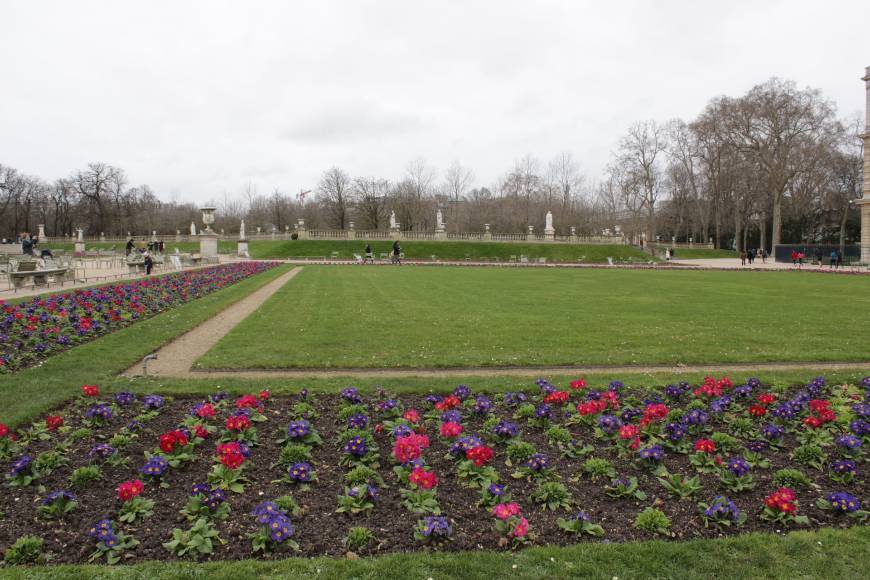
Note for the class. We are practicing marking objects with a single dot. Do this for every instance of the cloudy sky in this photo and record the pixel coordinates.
(198, 99)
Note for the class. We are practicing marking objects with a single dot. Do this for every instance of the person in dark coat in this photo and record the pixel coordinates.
(397, 253)
(26, 244)
(129, 247)
(368, 254)
(149, 263)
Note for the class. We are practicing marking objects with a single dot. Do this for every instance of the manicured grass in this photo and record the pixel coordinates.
(699, 253)
(823, 554)
(454, 317)
(282, 249)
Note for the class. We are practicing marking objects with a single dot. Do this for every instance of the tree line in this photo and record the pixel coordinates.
(775, 165)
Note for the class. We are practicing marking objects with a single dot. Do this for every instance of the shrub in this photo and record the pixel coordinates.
(653, 520)
(294, 453)
(289, 505)
(518, 451)
(84, 476)
(791, 478)
(552, 495)
(195, 542)
(358, 538)
(25, 550)
(810, 455)
(597, 468)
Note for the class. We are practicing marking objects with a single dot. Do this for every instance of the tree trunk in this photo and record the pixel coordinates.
(763, 227)
(843, 231)
(776, 233)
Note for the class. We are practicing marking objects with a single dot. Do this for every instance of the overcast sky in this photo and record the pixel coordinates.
(201, 98)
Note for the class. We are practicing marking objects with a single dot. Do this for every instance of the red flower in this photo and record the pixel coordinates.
(407, 449)
(705, 446)
(557, 398)
(53, 422)
(505, 510)
(757, 411)
(591, 407)
(629, 431)
(169, 440)
(379, 428)
(818, 405)
(230, 454)
(479, 455)
(264, 395)
(450, 430)
(4, 430)
(654, 412)
(238, 423)
(422, 478)
(201, 432)
(412, 416)
(449, 402)
(766, 398)
(782, 500)
(247, 402)
(129, 489)
(205, 411)
(91, 390)
(578, 384)
(635, 444)
(521, 529)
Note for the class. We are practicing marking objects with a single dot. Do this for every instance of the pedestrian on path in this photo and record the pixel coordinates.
(397, 253)
(368, 254)
(743, 258)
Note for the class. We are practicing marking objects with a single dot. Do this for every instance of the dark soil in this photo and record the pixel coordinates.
(320, 530)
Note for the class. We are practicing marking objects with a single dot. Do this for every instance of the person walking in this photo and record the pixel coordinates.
(835, 259)
(129, 247)
(368, 254)
(743, 258)
(397, 253)
(751, 255)
(149, 263)
(26, 244)
(794, 257)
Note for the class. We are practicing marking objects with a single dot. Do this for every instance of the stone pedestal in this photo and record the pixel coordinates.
(531, 234)
(351, 232)
(243, 249)
(208, 245)
(41, 234)
(177, 235)
(549, 234)
(102, 236)
(79, 248)
(440, 234)
(573, 237)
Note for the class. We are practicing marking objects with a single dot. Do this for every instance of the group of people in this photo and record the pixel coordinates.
(395, 254)
(752, 254)
(147, 260)
(797, 258)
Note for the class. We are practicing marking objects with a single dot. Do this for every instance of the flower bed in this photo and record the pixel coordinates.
(128, 478)
(35, 329)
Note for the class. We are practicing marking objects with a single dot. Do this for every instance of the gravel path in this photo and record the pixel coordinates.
(176, 358)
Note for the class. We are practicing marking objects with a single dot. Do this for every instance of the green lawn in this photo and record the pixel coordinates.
(449, 317)
(281, 249)
(822, 554)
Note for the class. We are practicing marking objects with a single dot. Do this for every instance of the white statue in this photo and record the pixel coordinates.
(192, 228)
(549, 222)
(439, 220)
(81, 235)
(242, 231)
(392, 220)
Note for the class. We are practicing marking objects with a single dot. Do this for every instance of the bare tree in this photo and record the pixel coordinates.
(334, 191)
(640, 151)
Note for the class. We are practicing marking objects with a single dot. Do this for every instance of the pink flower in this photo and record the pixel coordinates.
(521, 529)
(505, 510)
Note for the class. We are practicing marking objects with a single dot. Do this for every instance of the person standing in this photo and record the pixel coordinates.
(743, 258)
(26, 244)
(368, 254)
(397, 253)
(149, 263)
(129, 247)
(835, 259)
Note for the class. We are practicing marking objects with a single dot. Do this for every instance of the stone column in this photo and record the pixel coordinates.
(487, 235)
(300, 230)
(864, 203)
(531, 234)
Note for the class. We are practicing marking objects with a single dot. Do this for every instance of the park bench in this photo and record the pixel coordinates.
(25, 273)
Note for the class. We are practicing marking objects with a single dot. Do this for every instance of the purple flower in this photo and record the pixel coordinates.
(861, 409)
(844, 502)
(301, 472)
(652, 453)
(582, 516)
(629, 414)
(696, 417)
(615, 386)
(720, 405)
(58, 495)
(99, 411)
(543, 411)
(358, 421)
(124, 398)
(859, 427)
(20, 465)
(462, 392)
(496, 489)
(266, 511)
(609, 423)
(435, 526)
(757, 446)
(103, 532)
(200, 489)
(451, 416)
(514, 399)
(743, 391)
(280, 528)
(298, 429)
(387, 405)
(738, 466)
(537, 462)
(849, 442)
(356, 446)
(219, 396)
(545, 386)
(772, 432)
(214, 499)
(722, 507)
(401, 430)
(351, 394)
(153, 401)
(506, 429)
(433, 399)
(675, 431)
(482, 405)
(101, 451)
(844, 467)
(674, 391)
(156, 466)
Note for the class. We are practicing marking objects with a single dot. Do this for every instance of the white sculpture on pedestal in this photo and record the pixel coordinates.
(439, 220)
(548, 222)
(392, 220)
(242, 231)
(192, 229)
